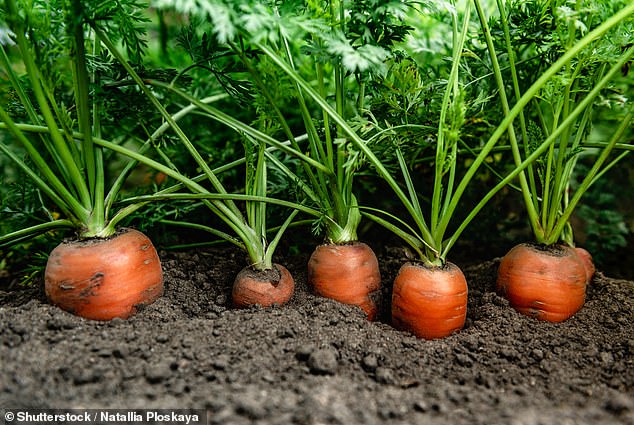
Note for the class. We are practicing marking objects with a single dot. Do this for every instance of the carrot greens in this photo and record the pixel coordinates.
(64, 162)
(561, 112)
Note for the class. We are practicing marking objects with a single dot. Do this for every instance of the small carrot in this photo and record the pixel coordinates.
(430, 302)
(262, 287)
(101, 279)
(348, 273)
(548, 283)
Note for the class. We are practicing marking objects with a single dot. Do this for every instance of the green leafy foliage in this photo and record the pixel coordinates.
(384, 66)
(564, 110)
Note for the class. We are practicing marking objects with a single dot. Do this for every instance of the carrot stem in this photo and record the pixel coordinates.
(67, 164)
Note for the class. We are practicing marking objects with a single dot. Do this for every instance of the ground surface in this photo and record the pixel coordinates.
(315, 361)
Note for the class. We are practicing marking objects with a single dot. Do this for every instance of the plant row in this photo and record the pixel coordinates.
(247, 112)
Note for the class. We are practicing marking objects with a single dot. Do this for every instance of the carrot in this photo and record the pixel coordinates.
(262, 287)
(101, 279)
(586, 257)
(348, 273)
(548, 283)
(430, 302)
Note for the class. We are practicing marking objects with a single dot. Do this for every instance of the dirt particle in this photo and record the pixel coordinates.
(421, 406)
(537, 354)
(370, 362)
(221, 362)
(323, 362)
(104, 352)
(304, 351)
(158, 372)
(463, 360)
(162, 338)
(384, 375)
(120, 352)
(60, 322)
(83, 376)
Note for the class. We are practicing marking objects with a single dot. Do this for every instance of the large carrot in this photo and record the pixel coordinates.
(262, 287)
(101, 279)
(429, 301)
(548, 283)
(588, 263)
(348, 273)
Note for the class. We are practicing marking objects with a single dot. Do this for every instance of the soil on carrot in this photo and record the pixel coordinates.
(315, 361)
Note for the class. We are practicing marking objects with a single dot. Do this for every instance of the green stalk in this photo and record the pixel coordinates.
(438, 206)
(53, 187)
(564, 171)
(526, 190)
(229, 208)
(328, 187)
(15, 83)
(589, 179)
(68, 164)
(215, 232)
(410, 236)
(268, 257)
(259, 189)
(516, 87)
(342, 205)
(253, 243)
(356, 140)
(41, 184)
(322, 91)
(240, 127)
(100, 201)
(81, 83)
(338, 69)
(552, 200)
(311, 130)
(119, 182)
(223, 196)
(409, 184)
(527, 97)
(236, 223)
(25, 101)
(587, 100)
(610, 165)
(225, 209)
(32, 231)
(92, 157)
(306, 189)
(281, 119)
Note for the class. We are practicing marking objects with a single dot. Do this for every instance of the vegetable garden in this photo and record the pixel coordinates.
(375, 211)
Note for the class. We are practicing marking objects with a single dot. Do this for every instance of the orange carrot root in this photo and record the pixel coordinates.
(430, 302)
(588, 263)
(265, 288)
(101, 279)
(348, 273)
(545, 283)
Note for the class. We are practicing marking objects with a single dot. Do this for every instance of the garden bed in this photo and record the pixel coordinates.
(315, 361)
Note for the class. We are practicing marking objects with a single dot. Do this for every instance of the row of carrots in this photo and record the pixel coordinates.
(107, 278)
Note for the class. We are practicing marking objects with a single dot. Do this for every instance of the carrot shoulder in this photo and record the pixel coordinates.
(430, 302)
(101, 279)
(262, 287)
(548, 283)
(348, 273)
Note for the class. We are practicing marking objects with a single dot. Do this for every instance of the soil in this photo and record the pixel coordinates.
(315, 361)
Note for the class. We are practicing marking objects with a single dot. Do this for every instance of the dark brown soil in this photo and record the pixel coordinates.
(315, 361)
